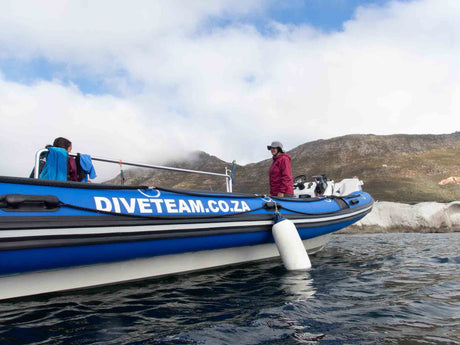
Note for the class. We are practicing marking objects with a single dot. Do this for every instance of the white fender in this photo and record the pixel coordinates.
(290, 246)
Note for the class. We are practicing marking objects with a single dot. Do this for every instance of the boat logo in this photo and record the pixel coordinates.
(150, 196)
(168, 206)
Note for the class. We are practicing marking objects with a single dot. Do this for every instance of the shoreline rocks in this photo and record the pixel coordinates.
(398, 217)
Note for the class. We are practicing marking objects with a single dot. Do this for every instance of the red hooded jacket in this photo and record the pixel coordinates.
(280, 175)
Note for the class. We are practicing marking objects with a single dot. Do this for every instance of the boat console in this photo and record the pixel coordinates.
(321, 186)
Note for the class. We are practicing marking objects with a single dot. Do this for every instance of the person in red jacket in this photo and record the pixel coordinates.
(280, 173)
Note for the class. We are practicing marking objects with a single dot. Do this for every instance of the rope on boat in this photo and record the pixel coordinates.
(266, 205)
(81, 208)
(303, 200)
(52, 202)
(306, 213)
(215, 195)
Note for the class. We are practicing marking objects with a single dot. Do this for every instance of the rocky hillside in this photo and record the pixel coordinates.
(198, 160)
(402, 168)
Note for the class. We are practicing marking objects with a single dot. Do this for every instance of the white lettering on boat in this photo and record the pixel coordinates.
(183, 207)
(158, 203)
(144, 205)
(196, 206)
(245, 206)
(99, 200)
(171, 206)
(223, 206)
(236, 206)
(131, 207)
(116, 205)
(212, 204)
(168, 206)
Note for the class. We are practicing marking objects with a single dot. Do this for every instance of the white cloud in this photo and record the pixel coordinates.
(226, 90)
(96, 32)
(32, 116)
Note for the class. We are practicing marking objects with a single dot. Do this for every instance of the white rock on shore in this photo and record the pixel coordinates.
(423, 217)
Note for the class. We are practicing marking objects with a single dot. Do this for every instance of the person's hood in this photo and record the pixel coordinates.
(284, 154)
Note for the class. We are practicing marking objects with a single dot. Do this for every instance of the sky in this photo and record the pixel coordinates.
(151, 80)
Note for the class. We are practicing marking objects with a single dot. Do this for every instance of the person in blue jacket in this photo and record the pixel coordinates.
(57, 164)
(66, 144)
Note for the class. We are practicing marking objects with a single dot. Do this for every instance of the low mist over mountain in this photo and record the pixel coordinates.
(403, 168)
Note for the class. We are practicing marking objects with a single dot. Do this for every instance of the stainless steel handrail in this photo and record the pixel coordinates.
(227, 175)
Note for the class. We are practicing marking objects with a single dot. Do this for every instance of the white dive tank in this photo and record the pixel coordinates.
(289, 243)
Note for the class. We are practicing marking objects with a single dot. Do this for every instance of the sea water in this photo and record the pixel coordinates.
(394, 288)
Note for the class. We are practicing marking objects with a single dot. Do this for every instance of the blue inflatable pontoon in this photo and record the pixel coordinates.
(59, 235)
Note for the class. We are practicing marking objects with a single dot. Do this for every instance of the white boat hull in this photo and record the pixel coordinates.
(26, 284)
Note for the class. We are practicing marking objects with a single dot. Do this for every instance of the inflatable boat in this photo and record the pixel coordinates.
(59, 235)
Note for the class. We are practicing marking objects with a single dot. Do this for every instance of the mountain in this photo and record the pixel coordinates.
(401, 167)
(197, 160)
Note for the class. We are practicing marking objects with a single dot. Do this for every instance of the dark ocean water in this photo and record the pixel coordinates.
(363, 289)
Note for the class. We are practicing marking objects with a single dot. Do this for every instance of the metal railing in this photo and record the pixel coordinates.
(227, 175)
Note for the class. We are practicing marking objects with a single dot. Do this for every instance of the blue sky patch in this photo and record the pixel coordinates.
(324, 15)
(29, 72)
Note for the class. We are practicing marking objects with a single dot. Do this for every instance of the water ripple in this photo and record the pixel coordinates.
(362, 289)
